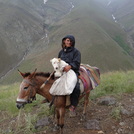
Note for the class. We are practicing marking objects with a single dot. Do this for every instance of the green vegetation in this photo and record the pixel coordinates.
(116, 113)
(23, 120)
(115, 84)
(121, 43)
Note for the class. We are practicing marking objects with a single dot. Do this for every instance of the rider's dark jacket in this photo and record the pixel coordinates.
(71, 55)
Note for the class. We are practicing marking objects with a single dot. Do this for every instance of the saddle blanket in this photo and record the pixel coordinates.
(93, 74)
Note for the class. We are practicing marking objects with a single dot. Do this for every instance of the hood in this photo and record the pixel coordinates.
(72, 39)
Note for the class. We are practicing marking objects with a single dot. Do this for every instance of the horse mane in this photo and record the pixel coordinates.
(42, 74)
(39, 74)
(26, 74)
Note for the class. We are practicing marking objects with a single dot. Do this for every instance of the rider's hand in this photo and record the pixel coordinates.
(67, 68)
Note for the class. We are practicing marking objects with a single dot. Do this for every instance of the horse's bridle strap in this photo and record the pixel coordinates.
(28, 82)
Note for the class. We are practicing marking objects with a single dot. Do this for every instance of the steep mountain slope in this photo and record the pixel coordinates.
(123, 13)
(95, 33)
(19, 30)
(22, 24)
(98, 38)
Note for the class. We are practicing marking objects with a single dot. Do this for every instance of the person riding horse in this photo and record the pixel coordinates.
(73, 57)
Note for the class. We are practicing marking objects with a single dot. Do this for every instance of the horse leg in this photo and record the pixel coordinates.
(61, 121)
(57, 126)
(86, 102)
(60, 114)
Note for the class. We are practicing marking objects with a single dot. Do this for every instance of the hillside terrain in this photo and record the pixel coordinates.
(110, 110)
(30, 35)
(102, 42)
(106, 115)
(101, 118)
(123, 13)
(21, 26)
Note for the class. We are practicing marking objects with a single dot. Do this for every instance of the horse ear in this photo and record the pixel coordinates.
(22, 74)
(33, 74)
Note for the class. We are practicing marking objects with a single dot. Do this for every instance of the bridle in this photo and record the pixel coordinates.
(30, 98)
(33, 85)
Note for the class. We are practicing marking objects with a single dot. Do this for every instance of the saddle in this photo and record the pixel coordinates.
(89, 78)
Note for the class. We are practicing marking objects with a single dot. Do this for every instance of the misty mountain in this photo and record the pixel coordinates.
(22, 24)
(123, 14)
(35, 29)
(19, 30)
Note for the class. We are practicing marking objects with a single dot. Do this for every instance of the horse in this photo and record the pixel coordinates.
(31, 85)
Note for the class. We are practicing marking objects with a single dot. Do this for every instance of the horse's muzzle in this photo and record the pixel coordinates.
(20, 105)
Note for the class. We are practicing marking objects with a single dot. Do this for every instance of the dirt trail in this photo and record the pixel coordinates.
(117, 118)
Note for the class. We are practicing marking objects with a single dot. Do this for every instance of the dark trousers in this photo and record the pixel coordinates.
(74, 97)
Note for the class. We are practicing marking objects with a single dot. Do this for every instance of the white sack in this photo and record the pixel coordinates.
(65, 84)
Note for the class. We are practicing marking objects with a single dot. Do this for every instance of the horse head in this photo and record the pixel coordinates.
(27, 89)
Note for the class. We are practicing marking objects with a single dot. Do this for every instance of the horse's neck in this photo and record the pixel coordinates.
(44, 91)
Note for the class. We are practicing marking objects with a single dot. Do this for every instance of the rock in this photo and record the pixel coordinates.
(107, 100)
(100, 132)
(41, 123)
(120, 130)
(92, 124)
(113, 127)
(122, 123)
(128, 112)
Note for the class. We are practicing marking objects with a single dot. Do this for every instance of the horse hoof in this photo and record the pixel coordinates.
(83, 117)
(56, 128)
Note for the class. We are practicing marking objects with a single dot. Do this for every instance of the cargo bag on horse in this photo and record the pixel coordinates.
(65, 84)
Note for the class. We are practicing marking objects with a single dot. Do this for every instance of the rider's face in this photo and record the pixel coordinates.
(67, 42)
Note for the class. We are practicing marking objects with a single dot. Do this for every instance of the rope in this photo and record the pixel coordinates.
(42, 86)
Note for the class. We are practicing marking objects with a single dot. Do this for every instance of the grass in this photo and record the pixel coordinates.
(8, 98)
(114, 83)
(116, 113)
(24, 120)
(121, 43)
(16, 121)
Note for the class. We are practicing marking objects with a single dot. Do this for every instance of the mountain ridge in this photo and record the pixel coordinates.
(95, 32)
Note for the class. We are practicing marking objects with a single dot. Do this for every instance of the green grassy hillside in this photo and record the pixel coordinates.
(100, 40)
(123, 13)
(22, 24)
(95, 33)
(19, 30)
